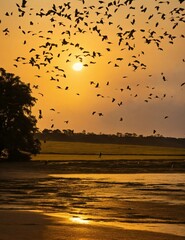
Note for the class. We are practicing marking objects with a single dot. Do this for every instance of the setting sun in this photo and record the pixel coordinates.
(77, 66)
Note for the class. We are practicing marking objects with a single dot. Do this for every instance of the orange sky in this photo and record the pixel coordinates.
(142, 99)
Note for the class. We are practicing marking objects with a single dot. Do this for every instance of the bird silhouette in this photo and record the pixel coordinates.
(74, 23)
(40, 114)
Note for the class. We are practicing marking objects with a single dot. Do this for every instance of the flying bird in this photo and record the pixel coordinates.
(40, 114)
(24, 3)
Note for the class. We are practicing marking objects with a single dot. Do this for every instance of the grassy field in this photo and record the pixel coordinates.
(52, 150)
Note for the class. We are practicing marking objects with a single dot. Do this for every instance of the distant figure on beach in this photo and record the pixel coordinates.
(100, 154)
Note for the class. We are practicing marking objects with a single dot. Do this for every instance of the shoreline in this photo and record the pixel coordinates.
(93, 166)
(27, 225)
(34, 185)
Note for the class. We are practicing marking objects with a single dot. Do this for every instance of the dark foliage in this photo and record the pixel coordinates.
(17, 125)
(69, 135)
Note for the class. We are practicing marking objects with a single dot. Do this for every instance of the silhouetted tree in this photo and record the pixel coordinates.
(17, 125)
(46, 132)
(68, 132)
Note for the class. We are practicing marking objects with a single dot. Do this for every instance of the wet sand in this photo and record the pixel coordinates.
(24, 225)
(26, 179)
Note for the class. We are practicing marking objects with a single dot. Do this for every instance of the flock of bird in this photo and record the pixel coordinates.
(72, 21)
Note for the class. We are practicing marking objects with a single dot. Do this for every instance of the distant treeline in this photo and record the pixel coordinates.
(69, 135)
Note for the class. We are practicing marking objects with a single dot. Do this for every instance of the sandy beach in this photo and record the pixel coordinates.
(60, 200)
(24, 225)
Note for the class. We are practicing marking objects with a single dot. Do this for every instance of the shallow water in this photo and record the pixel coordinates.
(131, 201)
(142, 183)
(159, 188)
(91, 157)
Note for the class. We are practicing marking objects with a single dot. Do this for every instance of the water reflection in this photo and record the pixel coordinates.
(166, 188)
(132, 201)
(66, 217)
(80, 220)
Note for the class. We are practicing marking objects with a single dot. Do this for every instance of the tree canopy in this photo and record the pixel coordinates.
(17, 125)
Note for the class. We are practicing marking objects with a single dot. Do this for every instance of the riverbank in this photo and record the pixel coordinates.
(94, 166)
(24, 225)
(103, 200)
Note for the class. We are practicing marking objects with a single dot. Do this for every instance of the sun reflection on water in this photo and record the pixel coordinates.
(66, 217)
(77, 219)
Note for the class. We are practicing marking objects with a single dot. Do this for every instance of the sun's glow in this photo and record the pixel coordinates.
(79, 220)
(77, 66)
